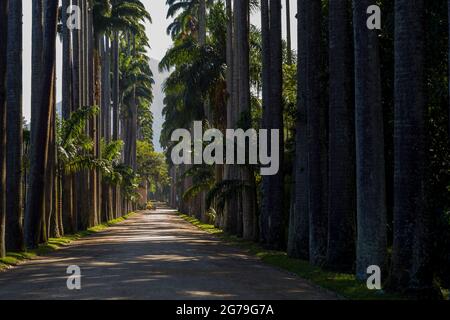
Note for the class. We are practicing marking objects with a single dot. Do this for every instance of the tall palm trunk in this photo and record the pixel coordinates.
(288, 32)
(92, 68)
(14, 152)
(51, 225)
(67, 204)
(266, 205)
(131, 128)
(37, 37)
(411, 254)
(230, 210)
(342, 189)
(36, 56)
(107, 210)
(298, 239)
(39, 158)
(71, 226)
(115, 110)
(198, 201)
(276, 220)
(272, 216)
(317, 153)
(233, 220)
(370, 166)
(99, 44)
(80, 177)
(3, 50)
(229, 58)
(246, 173)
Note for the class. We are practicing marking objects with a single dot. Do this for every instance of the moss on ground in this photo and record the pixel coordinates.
(14, 258)
(345, 285)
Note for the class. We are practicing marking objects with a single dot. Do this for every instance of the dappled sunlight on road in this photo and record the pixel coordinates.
(154, 255)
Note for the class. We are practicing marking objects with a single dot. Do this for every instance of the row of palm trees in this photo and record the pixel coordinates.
(78, 175)
(339, 202)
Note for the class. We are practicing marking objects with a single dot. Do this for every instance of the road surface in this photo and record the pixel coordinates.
(154, 255)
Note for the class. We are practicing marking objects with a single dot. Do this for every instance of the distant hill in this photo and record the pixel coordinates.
(158, 103)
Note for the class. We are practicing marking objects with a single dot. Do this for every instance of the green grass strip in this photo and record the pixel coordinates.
(14, 258)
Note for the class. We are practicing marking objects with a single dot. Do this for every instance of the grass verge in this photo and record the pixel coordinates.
(344, 285)
(14, 258)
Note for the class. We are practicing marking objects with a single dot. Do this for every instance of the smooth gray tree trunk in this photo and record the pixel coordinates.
(272, 234)
(246, 174)
(67, 108)
(39, 158)
(370, 165)
(288, 33)
(342, 167)
(412, 268)
(317, 138)
(266, 186)
(14, 147)
(298, 239)
(233, 222)
(72, 226)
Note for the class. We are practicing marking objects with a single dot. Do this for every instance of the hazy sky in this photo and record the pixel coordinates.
(159, 42)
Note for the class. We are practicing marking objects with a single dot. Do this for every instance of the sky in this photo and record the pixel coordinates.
(159, 42)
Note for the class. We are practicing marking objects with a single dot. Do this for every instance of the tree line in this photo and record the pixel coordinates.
(364, 117)
(77, 167)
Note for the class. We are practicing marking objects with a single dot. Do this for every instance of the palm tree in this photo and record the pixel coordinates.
(40, 158)
(77, 91)
(192, 17)
(233, 216)
(81, 180)
(230, 209)
(272, 234)
(370, 167)
(317, 154)
(3, 51)
(51, 226)
(276, 220)
(288, 32)
(229, 86)
(412, 247)
(37, 39)
(246, 173)
(67, 198)
(342, 190)
(266, 90)
(14, 190)
(298, 239)
(106, 120)
(126, 17)
(92, 127)
(115, 106)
